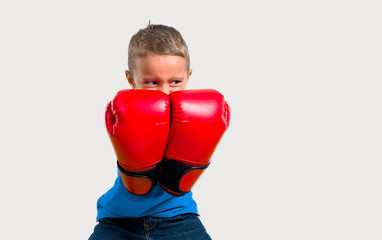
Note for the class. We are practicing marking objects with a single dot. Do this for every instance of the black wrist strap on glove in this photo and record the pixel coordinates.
(151, 174)
(172, 174)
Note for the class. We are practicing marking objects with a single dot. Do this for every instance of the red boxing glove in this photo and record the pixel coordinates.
(138, 123)
(199, 120)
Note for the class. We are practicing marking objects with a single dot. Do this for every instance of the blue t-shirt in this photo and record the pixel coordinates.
(120, 203)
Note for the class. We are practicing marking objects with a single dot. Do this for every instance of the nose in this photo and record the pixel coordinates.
(165, 89)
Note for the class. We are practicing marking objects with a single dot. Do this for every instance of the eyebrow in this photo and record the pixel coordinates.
(178, 78)
(148, 78)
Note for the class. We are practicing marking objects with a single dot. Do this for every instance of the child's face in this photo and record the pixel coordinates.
(166, 73)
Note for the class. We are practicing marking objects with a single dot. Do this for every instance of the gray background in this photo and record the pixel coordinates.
(301, 159)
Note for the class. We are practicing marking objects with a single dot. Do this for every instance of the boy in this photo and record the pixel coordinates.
(158, 60)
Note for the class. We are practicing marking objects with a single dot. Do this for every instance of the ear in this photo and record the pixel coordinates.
(130, 79)
(188, 77)
(189, 74)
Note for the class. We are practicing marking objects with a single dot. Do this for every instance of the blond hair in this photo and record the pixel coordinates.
(157, 40)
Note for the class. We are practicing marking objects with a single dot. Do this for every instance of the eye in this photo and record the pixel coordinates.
(151, 83)
(176, 82)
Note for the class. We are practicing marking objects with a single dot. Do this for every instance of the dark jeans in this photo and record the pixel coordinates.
(181, 227)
